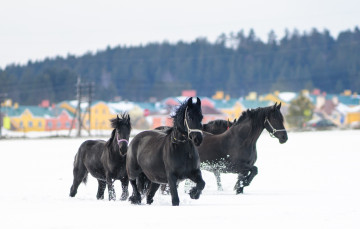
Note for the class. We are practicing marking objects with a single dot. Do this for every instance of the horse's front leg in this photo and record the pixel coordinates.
(196, 177)
(124, 186)
(253, 172)
(111, 190)
(239, 186)
(172, 181)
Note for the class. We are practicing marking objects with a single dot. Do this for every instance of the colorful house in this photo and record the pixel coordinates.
(61, 119)
(29, 118)
(232, 108)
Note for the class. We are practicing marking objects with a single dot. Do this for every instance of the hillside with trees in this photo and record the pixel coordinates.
(236, 63)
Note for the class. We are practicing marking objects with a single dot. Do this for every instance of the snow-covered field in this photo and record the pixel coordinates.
(312, 181)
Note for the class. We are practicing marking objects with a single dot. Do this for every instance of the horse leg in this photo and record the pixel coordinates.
(200, 184)
(80, 175)
(153, 188)
(218, 180)
(135, 198)
(172, 180)
(239, 186)
(250, 177)
(101, 189)
(124, 186)
(165, 190)
(111, 190)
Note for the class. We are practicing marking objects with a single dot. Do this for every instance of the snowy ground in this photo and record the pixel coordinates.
(309, 182)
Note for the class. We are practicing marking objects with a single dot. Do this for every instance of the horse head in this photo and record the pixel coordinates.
(192, 121)
(274, 123)
(122, 130)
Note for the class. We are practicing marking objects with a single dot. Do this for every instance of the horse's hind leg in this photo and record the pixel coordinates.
(101, 189)
(153, 188)
(218, 180)
(135, 198)
(200, 184)
(124, 186)
(80, 175)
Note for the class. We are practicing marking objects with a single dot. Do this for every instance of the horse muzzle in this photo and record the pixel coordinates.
(283, 138)
(123, 148)
(197, 138)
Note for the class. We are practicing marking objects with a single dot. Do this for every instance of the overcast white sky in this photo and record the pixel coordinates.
(35, 29)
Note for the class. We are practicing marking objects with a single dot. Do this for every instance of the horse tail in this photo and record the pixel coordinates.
(79, 167)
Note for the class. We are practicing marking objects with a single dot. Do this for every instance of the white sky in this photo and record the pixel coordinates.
(33, 30)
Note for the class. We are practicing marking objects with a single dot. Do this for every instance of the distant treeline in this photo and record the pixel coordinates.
(236, 63)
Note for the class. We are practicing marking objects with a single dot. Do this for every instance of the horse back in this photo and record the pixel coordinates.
(89, 154)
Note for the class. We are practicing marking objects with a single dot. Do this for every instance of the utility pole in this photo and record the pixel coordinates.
(81, 89)
(90, 95)
(78, 108)
(3, 97)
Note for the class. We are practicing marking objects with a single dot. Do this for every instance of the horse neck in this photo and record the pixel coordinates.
(178, 135)
(254, 126)
(113, 148)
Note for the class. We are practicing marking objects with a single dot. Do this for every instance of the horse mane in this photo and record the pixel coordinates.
(116, 123)
(253, 114)
(178, 116)
(216, 122)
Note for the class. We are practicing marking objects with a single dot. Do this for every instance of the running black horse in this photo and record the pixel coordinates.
(168, 156)
(105, 160)
(217, 126)
(234, 151)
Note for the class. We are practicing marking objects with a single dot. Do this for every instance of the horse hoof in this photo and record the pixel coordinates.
(124, 197)
(134, 200)
(239, 191)
(149, 201)
(194, 193)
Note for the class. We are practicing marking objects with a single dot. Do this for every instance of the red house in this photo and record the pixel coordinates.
(62, 121)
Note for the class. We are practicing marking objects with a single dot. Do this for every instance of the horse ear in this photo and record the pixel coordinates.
(128, 117)
(279, 106)
(198, 101)
(117, 117)
(274, 107)
(189, 102)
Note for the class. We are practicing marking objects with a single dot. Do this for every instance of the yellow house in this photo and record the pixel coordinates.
(28, 118)
(273, 97)
(69, 106)
(100, 116)
(232, 108)
(352, 117)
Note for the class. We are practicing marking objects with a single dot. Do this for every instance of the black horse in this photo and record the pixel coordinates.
(234, 151)
(105, 160)
(168, 156)
(218, 126)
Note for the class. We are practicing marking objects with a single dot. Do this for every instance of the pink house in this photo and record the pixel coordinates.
(62, 121)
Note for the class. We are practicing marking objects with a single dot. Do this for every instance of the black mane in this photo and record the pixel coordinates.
(253, 114)
(178, 117)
